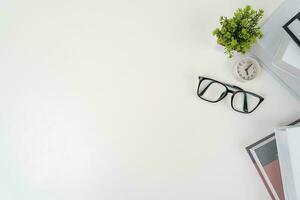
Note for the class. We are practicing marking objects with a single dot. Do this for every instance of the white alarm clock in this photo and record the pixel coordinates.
(246, 69)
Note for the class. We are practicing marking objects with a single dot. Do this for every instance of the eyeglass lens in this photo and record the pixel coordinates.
(211, 90)
(245, 102)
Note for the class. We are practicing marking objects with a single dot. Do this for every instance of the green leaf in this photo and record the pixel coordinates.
(239, 32)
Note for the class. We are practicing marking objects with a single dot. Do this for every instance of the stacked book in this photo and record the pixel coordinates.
(277, 160)
(279, 50)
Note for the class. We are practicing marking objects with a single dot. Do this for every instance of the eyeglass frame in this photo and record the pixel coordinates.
(223, 95)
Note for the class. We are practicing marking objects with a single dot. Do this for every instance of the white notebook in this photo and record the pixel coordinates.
(277, 52)
(288, 145)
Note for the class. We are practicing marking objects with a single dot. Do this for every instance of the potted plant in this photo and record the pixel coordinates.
(240, 32)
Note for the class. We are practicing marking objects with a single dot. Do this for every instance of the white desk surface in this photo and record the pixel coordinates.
(98, 101)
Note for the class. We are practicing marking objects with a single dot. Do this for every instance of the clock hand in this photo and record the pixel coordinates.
(248, 67)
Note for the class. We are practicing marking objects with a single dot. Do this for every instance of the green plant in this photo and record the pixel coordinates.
(240, 32)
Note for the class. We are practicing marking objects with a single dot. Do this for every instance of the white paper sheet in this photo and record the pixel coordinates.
(288, 145)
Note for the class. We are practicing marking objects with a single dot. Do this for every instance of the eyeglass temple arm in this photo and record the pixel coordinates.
(204, 90)
(245, 107)
(245, 103)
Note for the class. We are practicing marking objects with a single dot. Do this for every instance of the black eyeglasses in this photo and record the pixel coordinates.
(214, 91)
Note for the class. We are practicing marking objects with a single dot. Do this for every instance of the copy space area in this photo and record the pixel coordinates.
(98, 102)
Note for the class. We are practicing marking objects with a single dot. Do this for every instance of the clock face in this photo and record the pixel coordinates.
(247, 68)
